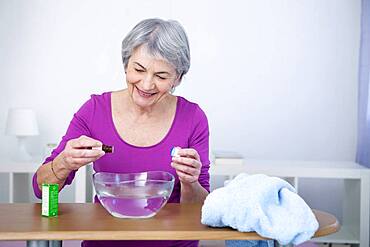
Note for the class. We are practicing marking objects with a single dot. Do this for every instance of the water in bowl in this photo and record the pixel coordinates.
(134, 199)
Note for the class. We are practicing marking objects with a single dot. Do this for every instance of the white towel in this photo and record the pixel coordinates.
(268, 205)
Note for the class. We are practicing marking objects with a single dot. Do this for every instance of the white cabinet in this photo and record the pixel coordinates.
(355, 215)
(16, 167)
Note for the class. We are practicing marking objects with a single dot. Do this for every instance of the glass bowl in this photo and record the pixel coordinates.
(133, 195)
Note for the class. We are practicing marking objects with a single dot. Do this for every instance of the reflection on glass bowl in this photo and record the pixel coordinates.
(133, 195)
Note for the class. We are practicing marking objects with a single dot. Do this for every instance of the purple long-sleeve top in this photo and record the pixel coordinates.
(189, 129)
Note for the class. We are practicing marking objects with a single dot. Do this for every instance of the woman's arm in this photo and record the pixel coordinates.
(193, 164)
(188, 168)
(71, 158)
(79, 126)
(193, 192)
(45, 174)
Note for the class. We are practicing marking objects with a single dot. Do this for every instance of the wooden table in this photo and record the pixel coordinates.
(88, 221)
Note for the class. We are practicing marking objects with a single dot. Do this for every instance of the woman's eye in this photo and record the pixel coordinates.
(139, 70)
(160, 77)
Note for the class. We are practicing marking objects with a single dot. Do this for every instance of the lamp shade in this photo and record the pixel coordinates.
(21, 122)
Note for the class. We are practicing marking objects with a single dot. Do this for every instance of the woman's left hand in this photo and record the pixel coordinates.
(187, 165)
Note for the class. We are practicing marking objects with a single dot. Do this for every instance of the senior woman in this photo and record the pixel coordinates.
(143, 122)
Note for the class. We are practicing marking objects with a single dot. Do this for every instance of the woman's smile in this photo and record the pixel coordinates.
(144, 94)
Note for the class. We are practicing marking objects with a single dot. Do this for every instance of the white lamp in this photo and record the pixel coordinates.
(22, 122)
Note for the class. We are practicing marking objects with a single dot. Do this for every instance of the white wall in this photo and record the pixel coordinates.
(277, 79)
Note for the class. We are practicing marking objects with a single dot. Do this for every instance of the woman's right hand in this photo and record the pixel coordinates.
(76, 154)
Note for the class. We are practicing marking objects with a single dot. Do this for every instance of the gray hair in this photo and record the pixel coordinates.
(166, 39)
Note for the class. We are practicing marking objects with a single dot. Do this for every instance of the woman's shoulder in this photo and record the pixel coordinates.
(193, 118)
(105, 96)
(185, 103)
(190, 108)
(95, 101)
(99, 99)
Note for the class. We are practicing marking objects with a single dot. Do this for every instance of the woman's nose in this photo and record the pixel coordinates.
(148, 82)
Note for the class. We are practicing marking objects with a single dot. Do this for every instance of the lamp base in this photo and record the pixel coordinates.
(21, 152)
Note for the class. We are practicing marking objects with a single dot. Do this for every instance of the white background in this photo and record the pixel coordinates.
(277, 79)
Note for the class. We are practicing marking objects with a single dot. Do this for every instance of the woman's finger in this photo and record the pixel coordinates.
(83, 161)
(86, 153)
(189, 152)
(85, 142)
(187, 161)
(186, 169)
(183, 177)
(76, 163)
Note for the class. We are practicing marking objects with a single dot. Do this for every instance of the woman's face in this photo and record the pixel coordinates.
(149, 79)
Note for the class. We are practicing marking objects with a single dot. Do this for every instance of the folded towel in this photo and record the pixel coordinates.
(267, 205)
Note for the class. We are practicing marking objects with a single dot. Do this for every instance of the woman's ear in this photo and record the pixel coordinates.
(177, 81)
(180, 77)
(125, 68)
(172, 89)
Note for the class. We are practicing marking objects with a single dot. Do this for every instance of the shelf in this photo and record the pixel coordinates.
(18, 167)
(347, 234)
(323, 169)
(356, 178)
(11, 166)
